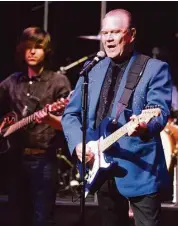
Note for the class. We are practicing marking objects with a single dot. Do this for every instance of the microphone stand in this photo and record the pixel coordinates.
(81, 60)
(84, 129)
(84, 72)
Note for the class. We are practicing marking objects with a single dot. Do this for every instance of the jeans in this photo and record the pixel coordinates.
(32, 190)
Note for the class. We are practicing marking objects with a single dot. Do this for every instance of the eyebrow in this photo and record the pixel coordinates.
(112, 30)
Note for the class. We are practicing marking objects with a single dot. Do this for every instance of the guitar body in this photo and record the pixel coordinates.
(103, 165)
(4, 145)
(9, 119)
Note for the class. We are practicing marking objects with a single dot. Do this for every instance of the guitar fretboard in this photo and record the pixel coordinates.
(18, 125)
(112, 138)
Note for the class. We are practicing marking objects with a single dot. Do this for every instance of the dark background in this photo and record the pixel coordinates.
(157, 25)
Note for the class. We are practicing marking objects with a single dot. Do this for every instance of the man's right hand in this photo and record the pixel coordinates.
(89, 154)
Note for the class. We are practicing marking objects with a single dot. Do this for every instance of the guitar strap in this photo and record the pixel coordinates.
(134, 75)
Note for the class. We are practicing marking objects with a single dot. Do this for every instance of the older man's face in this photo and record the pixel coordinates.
(116, 35)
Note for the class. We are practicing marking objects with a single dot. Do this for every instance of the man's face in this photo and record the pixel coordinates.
(34, 55)
(116, 36)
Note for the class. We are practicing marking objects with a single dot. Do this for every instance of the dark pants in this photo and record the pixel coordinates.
(114, 207)
(32, 190)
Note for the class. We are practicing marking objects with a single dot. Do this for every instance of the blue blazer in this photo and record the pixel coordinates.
(143, 161)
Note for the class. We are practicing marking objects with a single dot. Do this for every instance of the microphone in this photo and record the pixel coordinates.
(100, 55)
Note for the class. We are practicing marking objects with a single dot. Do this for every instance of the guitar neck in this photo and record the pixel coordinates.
(112, 138)
(18, 125)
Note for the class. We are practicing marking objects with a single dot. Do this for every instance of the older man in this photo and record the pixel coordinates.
(139, 154)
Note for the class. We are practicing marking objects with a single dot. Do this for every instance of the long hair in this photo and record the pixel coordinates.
(33, 37)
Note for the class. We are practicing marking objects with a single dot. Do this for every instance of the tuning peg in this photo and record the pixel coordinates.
(152, 106)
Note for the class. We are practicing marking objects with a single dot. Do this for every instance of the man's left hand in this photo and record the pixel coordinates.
(43, 116)
(137, 128)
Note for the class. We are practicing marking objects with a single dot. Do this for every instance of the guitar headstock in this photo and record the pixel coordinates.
(149, 113)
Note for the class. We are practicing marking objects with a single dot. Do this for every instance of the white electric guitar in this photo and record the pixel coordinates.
(97, 170)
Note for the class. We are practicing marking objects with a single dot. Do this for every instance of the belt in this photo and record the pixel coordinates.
(33, 151)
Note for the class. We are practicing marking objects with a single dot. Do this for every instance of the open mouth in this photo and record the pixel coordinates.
(111, 47)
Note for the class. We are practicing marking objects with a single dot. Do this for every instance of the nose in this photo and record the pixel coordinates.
(109, 37)
(32, 50)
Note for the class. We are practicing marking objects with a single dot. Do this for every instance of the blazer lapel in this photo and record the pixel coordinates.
(97, 77)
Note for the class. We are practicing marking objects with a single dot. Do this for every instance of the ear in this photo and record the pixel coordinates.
(133, 34)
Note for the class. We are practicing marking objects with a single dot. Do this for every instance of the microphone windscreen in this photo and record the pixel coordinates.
(101, 54)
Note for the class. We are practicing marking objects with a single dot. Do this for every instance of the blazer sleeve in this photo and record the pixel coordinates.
(159, 93)
(72, 118)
